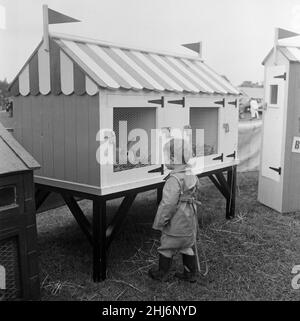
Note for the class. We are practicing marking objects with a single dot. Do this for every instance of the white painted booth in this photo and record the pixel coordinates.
(279, 180)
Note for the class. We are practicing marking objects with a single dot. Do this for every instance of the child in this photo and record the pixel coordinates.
(176, 216)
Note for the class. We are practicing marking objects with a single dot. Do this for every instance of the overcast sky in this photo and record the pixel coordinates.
(236, 34)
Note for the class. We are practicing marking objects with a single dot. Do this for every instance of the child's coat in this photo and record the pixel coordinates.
(176, 215)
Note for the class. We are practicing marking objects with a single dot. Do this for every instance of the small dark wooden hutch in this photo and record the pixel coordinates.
(19, 274)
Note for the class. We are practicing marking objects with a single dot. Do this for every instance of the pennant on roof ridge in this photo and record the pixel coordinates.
(196, 46)
(52, 17)
(57, 17)
(283, 33)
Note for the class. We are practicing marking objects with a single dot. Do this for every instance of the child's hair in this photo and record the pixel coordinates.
(178, 151)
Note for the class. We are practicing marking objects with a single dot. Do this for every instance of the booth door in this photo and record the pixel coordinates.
(273, 122)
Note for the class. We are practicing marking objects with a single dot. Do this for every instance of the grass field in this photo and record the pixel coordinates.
(248, 258)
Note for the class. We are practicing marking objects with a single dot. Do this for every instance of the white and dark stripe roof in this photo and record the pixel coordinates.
(76, 65)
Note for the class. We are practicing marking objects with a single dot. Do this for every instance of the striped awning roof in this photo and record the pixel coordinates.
(76, 65)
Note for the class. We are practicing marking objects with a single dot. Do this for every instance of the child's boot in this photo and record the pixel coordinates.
(189, 269)
(164, 267)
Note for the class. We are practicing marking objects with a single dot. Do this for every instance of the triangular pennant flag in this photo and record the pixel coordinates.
(57, 17)
(196, 46)
(282, 33)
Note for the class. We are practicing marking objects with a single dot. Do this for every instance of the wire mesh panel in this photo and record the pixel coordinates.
(206, 119)
(135, 118)
(9, 259)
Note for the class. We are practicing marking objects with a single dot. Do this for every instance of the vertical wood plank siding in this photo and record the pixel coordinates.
(70, 137)
(82, 141)
(36, 116)
(47, 138)
(26, 124)
(58, 139)
(18, 118)
(60, 132)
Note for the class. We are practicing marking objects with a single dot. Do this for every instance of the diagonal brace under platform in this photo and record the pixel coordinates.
(220, 186)
(79, 216)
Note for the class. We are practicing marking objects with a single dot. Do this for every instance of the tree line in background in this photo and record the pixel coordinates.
(4, 94)
(248, 83)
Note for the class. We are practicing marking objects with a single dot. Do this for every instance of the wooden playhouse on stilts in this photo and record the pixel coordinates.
(63, 97)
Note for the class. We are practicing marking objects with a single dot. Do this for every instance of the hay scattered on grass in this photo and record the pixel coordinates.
(125, 283)
(248, 258)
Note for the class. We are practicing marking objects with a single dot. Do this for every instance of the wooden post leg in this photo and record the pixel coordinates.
(230, 202)
(103, 246)
(159, 194)
(99, 240)
(232, 210)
